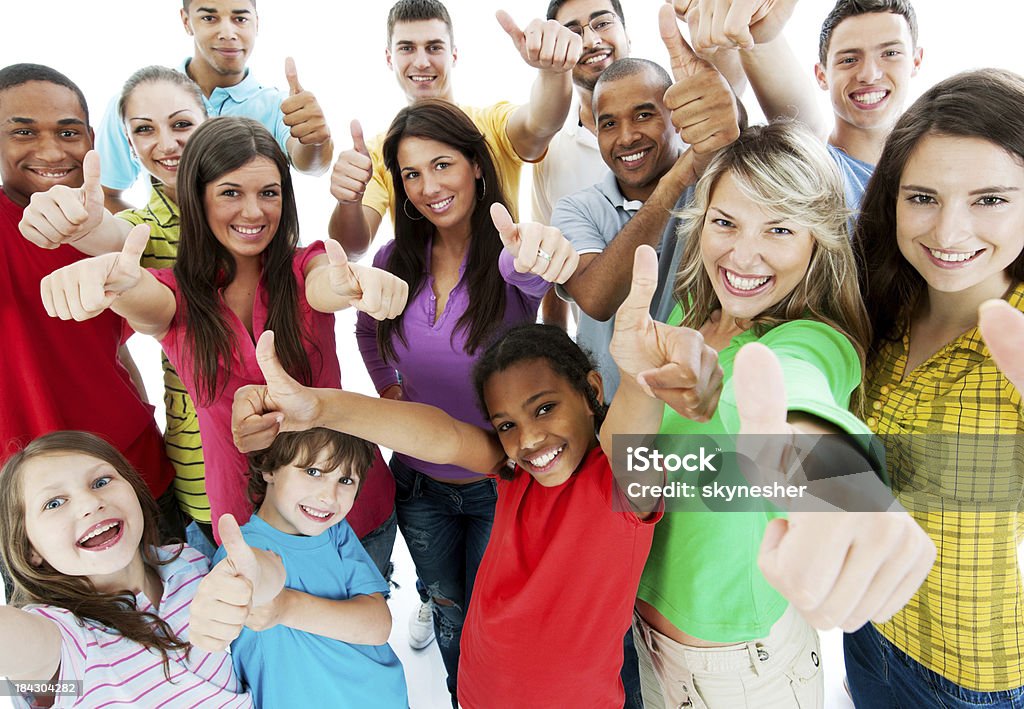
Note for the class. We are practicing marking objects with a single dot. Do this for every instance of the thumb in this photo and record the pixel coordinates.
(508, 230)
(760, 391)
(237, 551)
(358, 143)
(266, 356)
(293, 76)
(511, 29)
(135, 244)
(1002, 326)
(92, 190)
(683, 60)
(336, 255)
(636, 308)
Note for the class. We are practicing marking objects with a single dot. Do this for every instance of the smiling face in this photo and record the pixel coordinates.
(753, 258)
(243, 208)
(440, 182)
(601, 47)
(635, 133)
(81, 517)
(871, 59)
(544, 424)
(307, 500)
(224, 33)
(422, 56)
(159, 117)
(43, 139)
(960, 215)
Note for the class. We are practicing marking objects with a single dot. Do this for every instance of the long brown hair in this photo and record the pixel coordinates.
(436, 119)
(782, 166)
(985, 104)
(204, 266)
(44, 584)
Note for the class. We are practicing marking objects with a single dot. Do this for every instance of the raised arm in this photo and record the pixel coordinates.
(425, 432)
(353, 225)
(29, 645)
(75, 215)
(309, 147)
(540, 255)
(553, 50)
(333, 283)
(86, 288)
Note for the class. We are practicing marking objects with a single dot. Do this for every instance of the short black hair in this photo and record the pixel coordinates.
(18, 74)
(845, 9)
(186, 3)
(631, 66)
(419, 11)
(555, 5)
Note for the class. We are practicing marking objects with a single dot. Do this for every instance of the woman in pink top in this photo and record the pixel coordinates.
(238, 273)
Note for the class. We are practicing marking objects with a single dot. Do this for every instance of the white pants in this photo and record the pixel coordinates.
(781, 671)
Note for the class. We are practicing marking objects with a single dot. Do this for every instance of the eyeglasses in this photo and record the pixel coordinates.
(600, 24)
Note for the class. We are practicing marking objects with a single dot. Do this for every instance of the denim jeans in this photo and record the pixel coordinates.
(379, 544)
(881, 676)
(446, 528)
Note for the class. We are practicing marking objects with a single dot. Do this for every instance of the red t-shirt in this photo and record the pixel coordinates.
(554, 594)
(61, 375)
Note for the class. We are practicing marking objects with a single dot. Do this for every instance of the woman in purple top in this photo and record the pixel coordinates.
(471, 276)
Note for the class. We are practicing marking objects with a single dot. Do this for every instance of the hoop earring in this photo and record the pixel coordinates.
(483, 192)
(405, 208)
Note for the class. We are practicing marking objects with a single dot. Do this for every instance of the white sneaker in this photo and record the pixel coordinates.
(421, 626)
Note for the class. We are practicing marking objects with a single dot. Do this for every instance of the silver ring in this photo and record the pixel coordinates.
(544, 254)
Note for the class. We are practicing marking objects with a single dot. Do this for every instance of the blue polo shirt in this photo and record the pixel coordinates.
(247, 98)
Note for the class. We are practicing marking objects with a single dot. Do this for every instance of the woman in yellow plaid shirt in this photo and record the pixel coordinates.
(941, 231)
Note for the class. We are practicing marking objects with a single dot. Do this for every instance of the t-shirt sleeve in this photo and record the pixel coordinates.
(379, 193)
(305, 254)
(493, 122)
(381, 373)
(281, 131)
(571, 217)
(118, 170)
(529, 284)
(362, 576)
(75, 642)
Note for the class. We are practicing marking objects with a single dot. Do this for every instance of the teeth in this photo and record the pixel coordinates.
(313, 513)
(745, 283)
(597, 58)
(169, 162)
(634, 157)
(422, 79)
(870, 98)
(248, 230)
(545, 459)
(52, 174)
(97, 532)
(439, 206)
(955, 257)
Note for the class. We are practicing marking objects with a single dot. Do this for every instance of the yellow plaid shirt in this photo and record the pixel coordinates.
(952, 431)
(181, 437)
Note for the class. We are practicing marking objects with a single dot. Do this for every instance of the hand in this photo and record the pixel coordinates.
(702, 103)
(670, 363)
(225, 597)
(1002, 326)
(536, 248)
(267, 615)
(86, 288)
(393, 392)
(374, 291)
(302, 113)
(353, 170)
(729, 24)
(837, 568)
(261, 411)
(63, 215)
(545, 45)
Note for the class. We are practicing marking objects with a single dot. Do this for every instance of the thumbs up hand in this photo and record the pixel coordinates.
(837, 568)
(302, 112)
(731, 24)
(545, 45)
(374, 291)
(703, 105)
(224, 600)
(86, 288)
(353, 170)
(63, 214)
(536, 248)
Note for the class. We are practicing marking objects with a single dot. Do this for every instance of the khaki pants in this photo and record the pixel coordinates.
(781, 671)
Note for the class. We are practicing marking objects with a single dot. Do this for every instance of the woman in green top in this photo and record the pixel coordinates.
(710, 629)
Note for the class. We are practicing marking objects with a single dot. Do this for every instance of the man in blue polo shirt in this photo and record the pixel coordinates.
(224, 32)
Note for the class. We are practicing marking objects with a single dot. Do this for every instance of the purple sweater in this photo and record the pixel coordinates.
(434, 366)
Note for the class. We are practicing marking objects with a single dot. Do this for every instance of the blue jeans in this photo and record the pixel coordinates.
(379, 543)
(446, 528)
(881, 675)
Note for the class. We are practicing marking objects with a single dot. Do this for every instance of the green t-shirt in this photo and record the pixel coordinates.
(702, 571)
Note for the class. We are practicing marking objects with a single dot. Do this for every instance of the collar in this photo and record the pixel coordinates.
(609, 187)
(164, 211)
(572, 127)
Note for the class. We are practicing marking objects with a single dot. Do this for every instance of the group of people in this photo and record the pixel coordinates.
(862, 282)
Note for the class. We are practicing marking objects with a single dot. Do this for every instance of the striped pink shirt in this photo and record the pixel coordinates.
(119, 672)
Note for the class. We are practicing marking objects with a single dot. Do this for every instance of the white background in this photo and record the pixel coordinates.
(339, 50)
